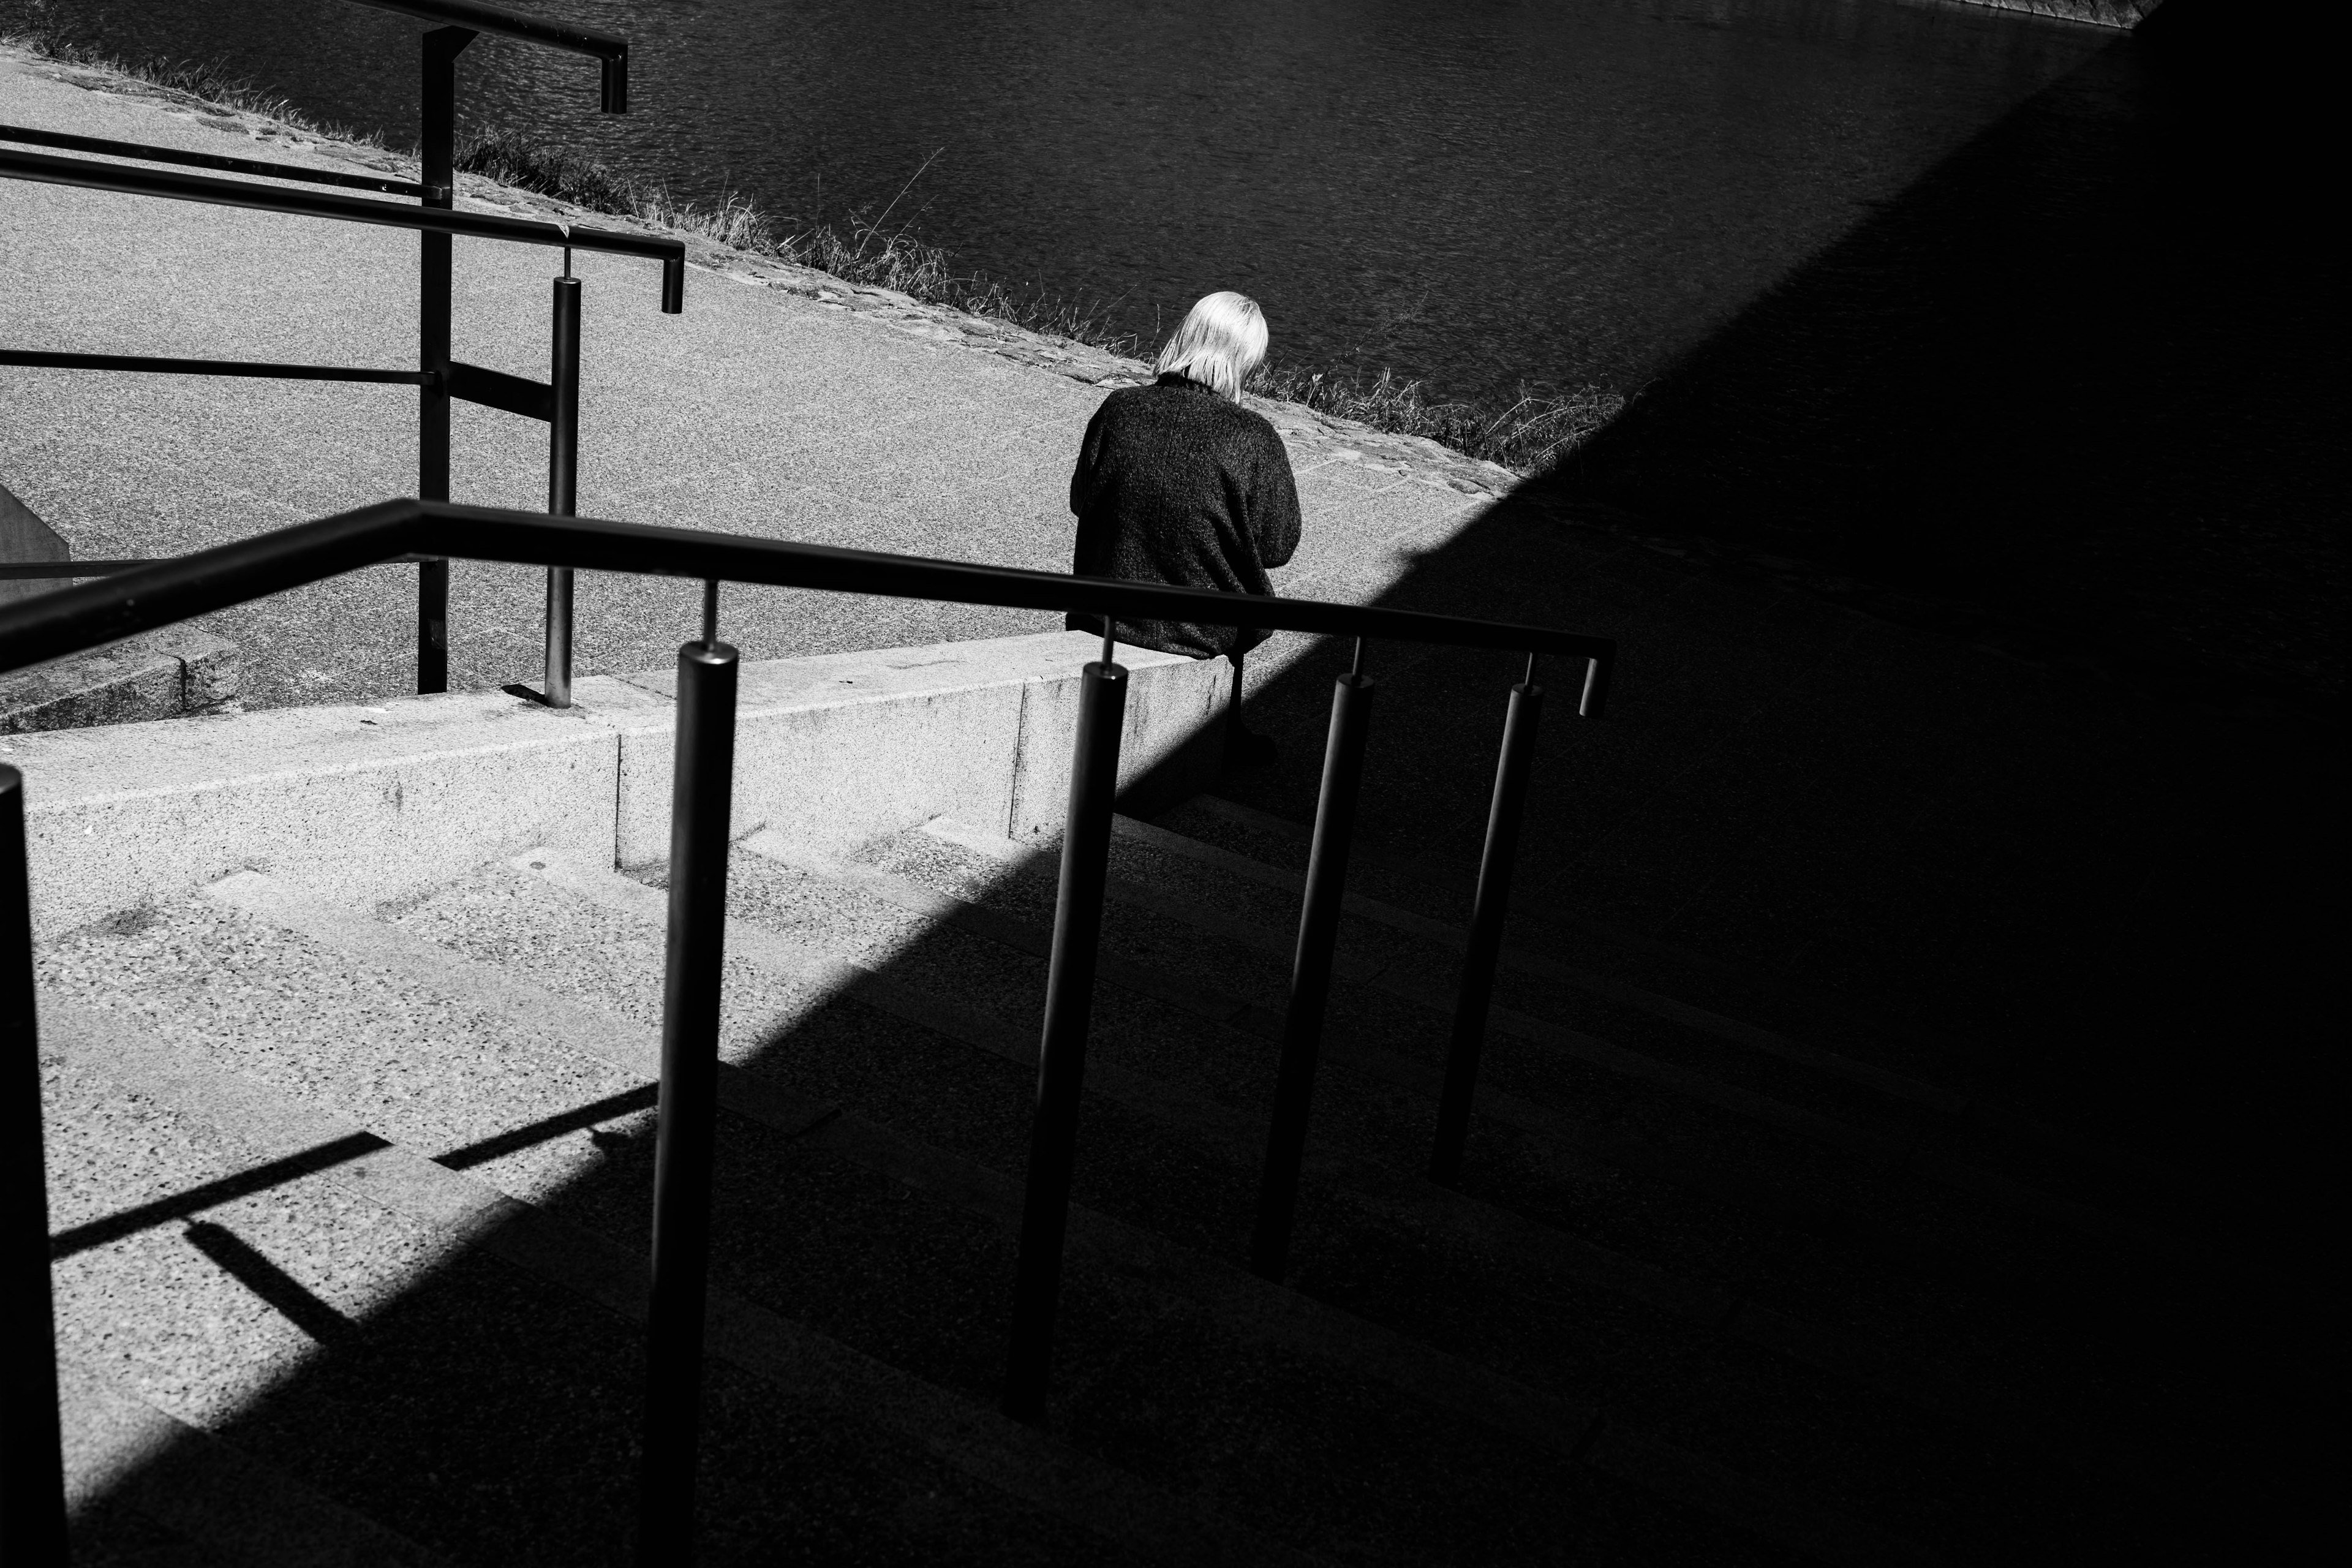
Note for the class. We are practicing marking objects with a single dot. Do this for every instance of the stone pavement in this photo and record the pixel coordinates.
(783, 403)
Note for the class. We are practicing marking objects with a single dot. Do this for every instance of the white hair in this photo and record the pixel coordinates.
(1222, 341)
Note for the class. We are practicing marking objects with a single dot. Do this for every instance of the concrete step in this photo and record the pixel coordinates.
(1777, 1015)
(974, 1100)
(1943, 1137)
(1373, 1206)
(1758, 1280)
(884, 1253)
(309, 1270)
(143, 1488)
(2160, 1265)
(877, 1118)
(1567, 1172)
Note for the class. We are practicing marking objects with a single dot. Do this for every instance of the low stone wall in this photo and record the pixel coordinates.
(373, 804)
(168, 674)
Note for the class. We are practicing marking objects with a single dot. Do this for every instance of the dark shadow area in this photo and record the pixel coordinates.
(1889, 805)
(1979, 591)
(2110, 902)
(2078, 389)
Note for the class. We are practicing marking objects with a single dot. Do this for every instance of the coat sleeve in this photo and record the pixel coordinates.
(1082, 477)
(1273, 503)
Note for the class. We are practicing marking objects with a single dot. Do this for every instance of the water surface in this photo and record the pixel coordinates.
(1567, 191)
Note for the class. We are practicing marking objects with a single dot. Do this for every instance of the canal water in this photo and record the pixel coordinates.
(1556, 190)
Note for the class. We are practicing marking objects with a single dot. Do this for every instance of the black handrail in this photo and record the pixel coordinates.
(31, 136)
(153, 594)
(609, 48)
(73, 619)
(49, 169)
(438, 377)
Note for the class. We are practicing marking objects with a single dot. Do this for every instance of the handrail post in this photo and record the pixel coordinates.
(701, 801)
(436, 157)
(1485, 929)
(563, 477)
(1062, 1057)
(1310, 978)
(31, 1463)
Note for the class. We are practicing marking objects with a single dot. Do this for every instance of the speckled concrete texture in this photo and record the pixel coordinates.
(463, 1212)
(815, 1228)
(325, 1028)
(1708, 1240)
(382, 801)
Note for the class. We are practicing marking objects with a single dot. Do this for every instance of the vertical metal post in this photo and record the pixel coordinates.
(1062, 1059)
(563, 477)
(701, 798)
(436, 157)
(1485, 929)
(32, 1466)
(1310, 975)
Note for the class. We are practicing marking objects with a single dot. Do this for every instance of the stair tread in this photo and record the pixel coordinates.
(745, 939)
(1851, 1124)
(1852, 1351)
(468, 1213)
(798, 980)
(1966, 1105)
(914, 898)
(1447, 1383)
(200, 1499)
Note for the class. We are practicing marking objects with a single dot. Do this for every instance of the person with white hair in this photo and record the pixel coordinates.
(1178, 482)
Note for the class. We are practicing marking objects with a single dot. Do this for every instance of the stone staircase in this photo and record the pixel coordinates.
(352, 1205)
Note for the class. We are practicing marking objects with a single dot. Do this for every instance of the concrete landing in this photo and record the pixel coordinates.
(369, 801)
(760, 411)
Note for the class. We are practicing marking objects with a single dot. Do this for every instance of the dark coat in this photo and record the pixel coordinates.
(1176, 484)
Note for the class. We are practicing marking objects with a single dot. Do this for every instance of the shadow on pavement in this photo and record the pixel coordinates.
(2107, 896)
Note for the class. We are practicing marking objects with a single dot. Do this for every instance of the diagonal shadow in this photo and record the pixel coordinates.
(2075, 388)
(1884, 809)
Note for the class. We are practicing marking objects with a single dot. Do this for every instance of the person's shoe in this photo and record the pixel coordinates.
(1246, 750)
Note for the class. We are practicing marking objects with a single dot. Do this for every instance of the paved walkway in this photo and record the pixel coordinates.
(766, 408)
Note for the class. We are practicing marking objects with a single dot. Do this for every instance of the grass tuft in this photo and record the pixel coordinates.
(859, 250)
(1521, 433)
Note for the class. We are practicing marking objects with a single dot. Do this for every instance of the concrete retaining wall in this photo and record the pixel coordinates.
(372, 803)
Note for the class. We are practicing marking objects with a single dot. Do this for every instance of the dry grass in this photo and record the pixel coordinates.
(2100, 13)
(27, 27)
(861, 249)
(1522, 433)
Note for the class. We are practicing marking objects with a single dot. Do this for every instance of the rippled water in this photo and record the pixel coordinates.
(1567, 191)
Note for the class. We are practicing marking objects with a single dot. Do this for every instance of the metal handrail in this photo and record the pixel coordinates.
(49, 169)
(609, 48)
(152, 595)
(74, 619)
(33, 136)
(438, 377)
